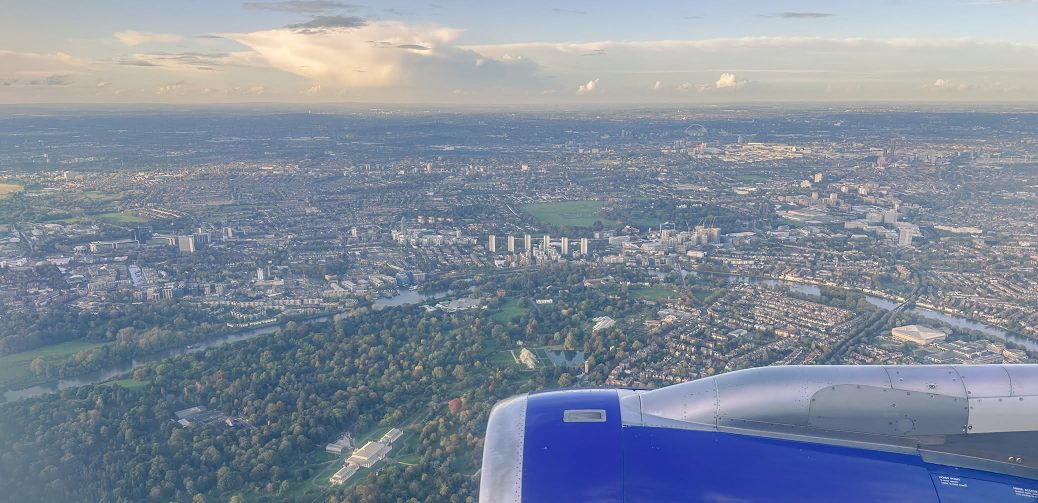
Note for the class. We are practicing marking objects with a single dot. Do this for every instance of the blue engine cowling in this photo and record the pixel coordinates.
(820, 433)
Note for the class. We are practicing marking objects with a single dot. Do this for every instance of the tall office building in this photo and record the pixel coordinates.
(511, 244)
(818, 178)
(904, 236)
(528, 243)
(492, 244)
(186, 244)
(546, 243)
(583, 246)
(890, 217)
(565, 246)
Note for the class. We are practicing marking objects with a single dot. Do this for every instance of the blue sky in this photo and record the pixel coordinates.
(467, 51)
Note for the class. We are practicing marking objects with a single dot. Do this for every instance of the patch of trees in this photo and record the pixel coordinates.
(24, 331)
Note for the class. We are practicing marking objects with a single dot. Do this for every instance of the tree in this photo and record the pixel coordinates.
(38, 366)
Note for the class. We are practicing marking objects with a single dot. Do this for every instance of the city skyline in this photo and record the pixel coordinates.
(459, 52)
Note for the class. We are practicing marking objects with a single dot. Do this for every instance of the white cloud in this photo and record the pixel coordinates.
(948, 85)
(688, 86)
(589, 88)
(32, 63)
(170, 89)
(192, 60)
(133, 38)
(728, 81)
(385, 54)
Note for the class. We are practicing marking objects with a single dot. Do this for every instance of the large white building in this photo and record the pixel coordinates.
(391, 436)
(918, 334)
(371, 453)
(344, 473)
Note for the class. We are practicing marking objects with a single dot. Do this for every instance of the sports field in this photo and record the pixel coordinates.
(566, 213)
(9, 188)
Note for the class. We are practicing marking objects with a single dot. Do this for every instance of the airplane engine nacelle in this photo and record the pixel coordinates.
(794, 433)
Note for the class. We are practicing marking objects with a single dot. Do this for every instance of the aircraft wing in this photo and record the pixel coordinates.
(933, 433)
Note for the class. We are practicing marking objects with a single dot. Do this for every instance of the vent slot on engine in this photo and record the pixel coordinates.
(584, 416)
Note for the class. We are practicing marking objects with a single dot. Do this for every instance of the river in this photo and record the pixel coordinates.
(403, 298)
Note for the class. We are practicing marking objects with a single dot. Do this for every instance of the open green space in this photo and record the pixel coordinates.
(94, 195)
(15, 368)
(748, 176)
(792, 223)
(509, 310)
(9, 188)
(122, 217)
(653, 293)
(566, 213)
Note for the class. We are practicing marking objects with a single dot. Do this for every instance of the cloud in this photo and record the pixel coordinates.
(46, 81)
(133, 38)
(947, 85)
(233, 91)
(728, 81)
(590, 88)
(302, 6)
(28, 69)
(32, 63)
(171, 88)
(369, 56)
(324, 23)
(688, 86)
(191, 60)
(802, 15)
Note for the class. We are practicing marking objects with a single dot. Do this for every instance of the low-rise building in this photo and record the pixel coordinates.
(337, 447)
(371, 453)
(918, 334)
(344, 473)
(391, 436)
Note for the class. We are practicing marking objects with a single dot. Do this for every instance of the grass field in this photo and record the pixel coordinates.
(9, 188)
(94, 195)
(510, 310)
(14, 368)
(122, 217)
(653, 293)
(566, 213)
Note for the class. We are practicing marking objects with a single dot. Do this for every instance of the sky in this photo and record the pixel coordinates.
(518, 52)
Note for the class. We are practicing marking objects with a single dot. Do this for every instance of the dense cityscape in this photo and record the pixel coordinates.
(302, 305)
